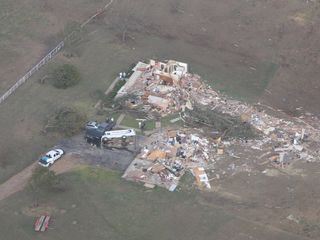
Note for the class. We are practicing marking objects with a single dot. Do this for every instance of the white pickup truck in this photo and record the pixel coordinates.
(50, 157)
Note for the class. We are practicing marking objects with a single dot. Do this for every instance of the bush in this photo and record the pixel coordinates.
(67, 121)
(65, 76)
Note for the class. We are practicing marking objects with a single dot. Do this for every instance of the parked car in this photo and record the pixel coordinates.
(50, 157)
(95, 130)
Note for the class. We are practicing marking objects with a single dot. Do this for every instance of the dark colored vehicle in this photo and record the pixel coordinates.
(94, 131)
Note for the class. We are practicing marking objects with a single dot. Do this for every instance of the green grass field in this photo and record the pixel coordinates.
(98, 204)
(166, 121)
(131, 121)
(30, 28)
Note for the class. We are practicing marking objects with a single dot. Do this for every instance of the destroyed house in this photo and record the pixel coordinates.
(169, 72)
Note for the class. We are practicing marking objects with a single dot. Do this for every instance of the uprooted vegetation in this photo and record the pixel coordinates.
(121, 102)
(228, 126)
(66, 120)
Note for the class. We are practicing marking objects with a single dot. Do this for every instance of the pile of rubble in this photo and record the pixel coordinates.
(167, 87)
(168, 155)
(164, 88)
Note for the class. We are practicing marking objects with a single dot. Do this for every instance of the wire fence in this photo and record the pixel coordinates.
(49, 56)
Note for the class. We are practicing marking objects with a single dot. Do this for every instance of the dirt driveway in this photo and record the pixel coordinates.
(16, 183)
(19, 181)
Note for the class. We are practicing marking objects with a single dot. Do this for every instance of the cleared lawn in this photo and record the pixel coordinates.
(98, 204)
(131, 121)
(166, 121)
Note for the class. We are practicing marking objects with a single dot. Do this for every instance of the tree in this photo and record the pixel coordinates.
(67, 121)
(227, 125)
(42, 179)
(124, 20)
(65, 76)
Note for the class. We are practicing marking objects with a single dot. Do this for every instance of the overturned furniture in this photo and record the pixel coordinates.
(42, 223)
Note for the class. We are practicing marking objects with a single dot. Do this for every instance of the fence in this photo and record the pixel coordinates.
(22, 80)
(48, 57)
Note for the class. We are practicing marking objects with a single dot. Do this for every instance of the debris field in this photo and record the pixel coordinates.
(168, 155)
(164, 88)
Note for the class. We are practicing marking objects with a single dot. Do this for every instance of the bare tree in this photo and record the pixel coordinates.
(124, 19)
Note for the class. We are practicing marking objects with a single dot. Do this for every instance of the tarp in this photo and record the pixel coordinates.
(157, 154)
(158, 102)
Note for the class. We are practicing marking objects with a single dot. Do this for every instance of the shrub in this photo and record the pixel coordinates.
(65, 76)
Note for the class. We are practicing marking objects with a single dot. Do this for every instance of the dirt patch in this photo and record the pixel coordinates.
(228, 195)
(67, 163)
(17, 182)
(20, 60)
(272, 172)
(23, 130)
(40, 210)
